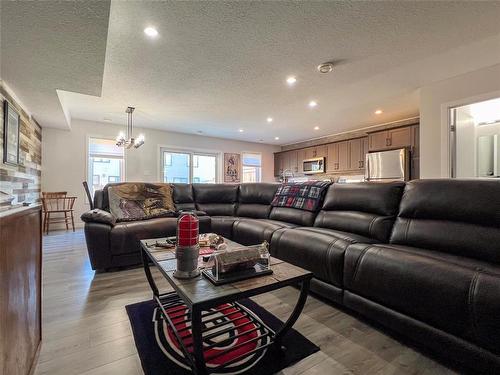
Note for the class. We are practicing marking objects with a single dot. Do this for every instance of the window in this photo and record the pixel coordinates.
(252, 167)
(187, 166)
(105, 163)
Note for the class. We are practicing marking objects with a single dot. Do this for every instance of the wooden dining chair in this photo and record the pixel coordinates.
(57, 208)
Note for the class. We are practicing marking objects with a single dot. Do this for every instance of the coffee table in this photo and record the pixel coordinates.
(204, 300)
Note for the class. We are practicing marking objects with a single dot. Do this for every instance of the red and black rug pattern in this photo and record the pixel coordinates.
(237, 330)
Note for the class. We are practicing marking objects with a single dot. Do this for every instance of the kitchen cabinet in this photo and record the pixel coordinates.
(278, 164)
(357, 151)
(337, 156)
(390, 139)
(301, 156)
(315, 152)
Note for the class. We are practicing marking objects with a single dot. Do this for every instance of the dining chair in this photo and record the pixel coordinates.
(56, 204)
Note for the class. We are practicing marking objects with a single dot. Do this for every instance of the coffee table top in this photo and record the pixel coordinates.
(201, 291)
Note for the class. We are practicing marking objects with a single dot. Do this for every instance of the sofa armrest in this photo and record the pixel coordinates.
(98, 216)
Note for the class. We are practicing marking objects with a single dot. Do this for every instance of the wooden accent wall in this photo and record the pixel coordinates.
(20, 291)
(22, 181)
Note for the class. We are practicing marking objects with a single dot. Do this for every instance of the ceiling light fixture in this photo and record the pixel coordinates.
(313, 103)
(269, 119)
(291, 80)
(326, 67)
(126, 139)
(277, 138)
(241, 130)
(378, 112)
(151, 32)
(316, 128)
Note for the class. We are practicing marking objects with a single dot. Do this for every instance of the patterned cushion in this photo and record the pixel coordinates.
(302, 195)
(139, 201)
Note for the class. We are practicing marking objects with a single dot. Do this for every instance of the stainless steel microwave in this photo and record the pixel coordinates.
(312, 166)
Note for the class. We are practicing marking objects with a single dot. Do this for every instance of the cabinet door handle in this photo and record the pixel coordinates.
(387, 142)
(336, 165)
(361, 164)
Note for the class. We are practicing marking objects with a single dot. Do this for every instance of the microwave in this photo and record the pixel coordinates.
(312, 166)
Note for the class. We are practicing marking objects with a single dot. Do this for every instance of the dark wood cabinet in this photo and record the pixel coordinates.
(20, 295)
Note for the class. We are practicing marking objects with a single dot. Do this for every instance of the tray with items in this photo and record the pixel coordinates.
(230, 265)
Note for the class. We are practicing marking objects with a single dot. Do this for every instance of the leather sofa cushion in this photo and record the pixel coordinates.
(215, 193)
(373, 197)
(461, 217)
(254, 200)
(217, 209)
(257, 193)
(255, 231)
(98, 216)
(257, 211)
(124, 237)
(183, 196)
(293, 215)
(223, 225)
(216, 199)
(356, 222)
(318, 250)
(366, 208)
(451, 293)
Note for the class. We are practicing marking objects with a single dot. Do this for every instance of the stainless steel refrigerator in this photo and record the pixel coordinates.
(390, 165)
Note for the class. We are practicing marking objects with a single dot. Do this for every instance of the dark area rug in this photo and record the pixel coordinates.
(160, 354)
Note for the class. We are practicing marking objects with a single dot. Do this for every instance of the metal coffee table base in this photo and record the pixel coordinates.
(205, 332)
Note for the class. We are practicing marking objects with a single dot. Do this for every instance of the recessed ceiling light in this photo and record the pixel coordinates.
(269, 119)
(277, 138)
(151, 32)
(241, 130)
(316, 128)
(313, 103)
(378, 112)
(291, 80)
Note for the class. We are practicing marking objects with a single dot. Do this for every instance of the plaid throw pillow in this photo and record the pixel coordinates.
(302, 195)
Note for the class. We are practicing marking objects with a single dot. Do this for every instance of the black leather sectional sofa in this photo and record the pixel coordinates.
(421, 258)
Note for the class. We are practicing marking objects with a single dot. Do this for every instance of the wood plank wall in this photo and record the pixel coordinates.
(23, 181)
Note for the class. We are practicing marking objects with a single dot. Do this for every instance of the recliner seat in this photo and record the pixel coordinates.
(350, 214)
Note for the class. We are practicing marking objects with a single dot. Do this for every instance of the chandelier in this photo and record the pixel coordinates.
(128, 140)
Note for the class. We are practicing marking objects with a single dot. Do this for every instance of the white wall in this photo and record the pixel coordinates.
(64, 155)
(435, 100)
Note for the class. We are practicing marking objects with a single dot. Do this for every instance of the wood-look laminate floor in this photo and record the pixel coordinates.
(86, 329)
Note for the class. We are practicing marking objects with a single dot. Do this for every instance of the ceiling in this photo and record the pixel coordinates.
(220, 67)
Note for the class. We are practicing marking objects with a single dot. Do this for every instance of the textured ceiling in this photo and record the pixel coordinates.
(219, 67)
(52, 45)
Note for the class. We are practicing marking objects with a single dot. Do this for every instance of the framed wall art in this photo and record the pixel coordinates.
(232, 167)
(11, 126)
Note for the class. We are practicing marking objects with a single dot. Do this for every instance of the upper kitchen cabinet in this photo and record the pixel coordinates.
(391, 139)
(278, 164)
(337, 156)
(315, 152)
(357, 151)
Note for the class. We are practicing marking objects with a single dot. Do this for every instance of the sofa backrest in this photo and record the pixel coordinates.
(216, 199)
(104, 200)
(182, 195)
(254, 200)
(366, 208)
(460, 217)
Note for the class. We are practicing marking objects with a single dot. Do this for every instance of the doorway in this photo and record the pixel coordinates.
(475, 140)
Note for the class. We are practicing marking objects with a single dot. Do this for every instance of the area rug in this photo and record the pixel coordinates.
(160, 353)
